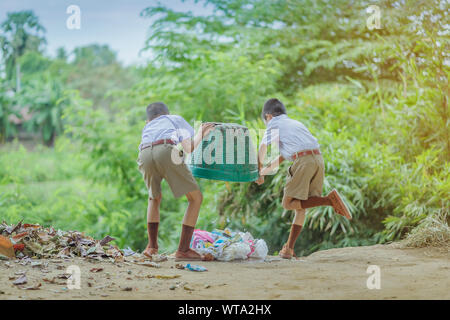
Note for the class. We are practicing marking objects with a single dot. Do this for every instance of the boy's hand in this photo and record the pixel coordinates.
(260, 180)
(265, 171)
(207, 127)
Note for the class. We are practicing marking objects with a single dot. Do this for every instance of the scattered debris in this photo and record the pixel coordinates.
(64, 276)
(6, 248)
(194, 267)
(106, 240)
(164, 276)
(127, 289)
(128, 252)
(21, 280)
(179, 266)
(39, 264)
(35, 287)
(53, 281)
(158, 258)
(149, 264)
(96, 270)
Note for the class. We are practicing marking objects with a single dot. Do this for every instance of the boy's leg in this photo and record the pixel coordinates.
(184, 252)
(333, 199)
(288, 249)
(182, 182)
(290, 203)
(296, 227)
(195, 199)
(152, 225)
(152, 180)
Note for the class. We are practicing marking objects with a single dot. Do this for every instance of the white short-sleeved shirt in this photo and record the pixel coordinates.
(169, 126)
(292, 135)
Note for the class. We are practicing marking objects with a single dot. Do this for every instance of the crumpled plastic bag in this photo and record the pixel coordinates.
(260, 250)
(235, 251)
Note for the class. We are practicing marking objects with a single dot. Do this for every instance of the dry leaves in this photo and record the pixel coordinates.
(28, 240)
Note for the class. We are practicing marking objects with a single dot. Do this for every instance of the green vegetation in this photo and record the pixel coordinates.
(377, 100)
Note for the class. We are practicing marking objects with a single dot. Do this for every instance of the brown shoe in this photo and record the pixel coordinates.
(339, 205)
(286, 252)
(190, 255)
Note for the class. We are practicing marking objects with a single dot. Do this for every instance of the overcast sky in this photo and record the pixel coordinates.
(113, 22)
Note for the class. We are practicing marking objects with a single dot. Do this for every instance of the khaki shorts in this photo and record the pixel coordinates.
(305, 177)
(155, 163)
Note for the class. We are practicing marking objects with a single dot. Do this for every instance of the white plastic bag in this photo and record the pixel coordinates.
(246, 237)
(235, 251)
(261, 250)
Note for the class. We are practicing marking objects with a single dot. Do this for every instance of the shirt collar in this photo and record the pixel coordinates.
(281, 116)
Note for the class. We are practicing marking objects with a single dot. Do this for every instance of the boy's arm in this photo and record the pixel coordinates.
(261, 155)
(266, 170)
(272, 166)
(190, 145)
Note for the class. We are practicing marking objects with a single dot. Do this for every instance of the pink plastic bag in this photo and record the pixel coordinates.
(200, 235)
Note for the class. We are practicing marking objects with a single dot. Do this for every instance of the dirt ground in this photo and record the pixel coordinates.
(330, 274)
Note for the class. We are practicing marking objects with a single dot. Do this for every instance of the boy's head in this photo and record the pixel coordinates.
(272, 108)
(155, 110)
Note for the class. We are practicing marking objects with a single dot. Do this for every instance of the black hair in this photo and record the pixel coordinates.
(274, 107)
(156, 109)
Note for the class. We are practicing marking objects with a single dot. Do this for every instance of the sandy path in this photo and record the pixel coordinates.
(330, 274)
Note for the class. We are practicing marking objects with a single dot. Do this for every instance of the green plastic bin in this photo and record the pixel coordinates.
(226, 154)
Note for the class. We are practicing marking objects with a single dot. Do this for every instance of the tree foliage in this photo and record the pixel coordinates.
(22, 32)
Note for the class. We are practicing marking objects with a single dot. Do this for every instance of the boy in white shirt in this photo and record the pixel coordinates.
(305, 176)
(160, 159)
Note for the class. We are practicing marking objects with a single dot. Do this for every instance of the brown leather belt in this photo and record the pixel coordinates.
(305, 153)
(158, 142)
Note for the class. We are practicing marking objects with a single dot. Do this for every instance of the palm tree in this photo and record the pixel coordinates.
(21, 32)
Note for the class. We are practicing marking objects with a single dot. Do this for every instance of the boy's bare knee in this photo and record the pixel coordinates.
(195, 197)
(155, 200)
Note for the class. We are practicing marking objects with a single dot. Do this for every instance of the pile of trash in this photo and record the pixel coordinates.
(25, 241)
(226, 245)
(34, 241)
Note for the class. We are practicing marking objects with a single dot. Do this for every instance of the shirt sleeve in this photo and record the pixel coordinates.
(184, 129)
